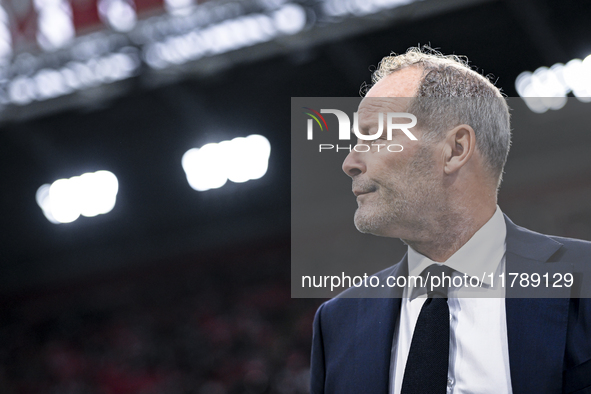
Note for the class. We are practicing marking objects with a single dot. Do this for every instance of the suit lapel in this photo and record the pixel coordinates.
(536, 327)
(376, 321)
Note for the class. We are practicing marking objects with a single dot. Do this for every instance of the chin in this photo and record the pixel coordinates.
(367, 224)
(382, 224)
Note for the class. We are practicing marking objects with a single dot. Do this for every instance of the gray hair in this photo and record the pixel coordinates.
(451, 93)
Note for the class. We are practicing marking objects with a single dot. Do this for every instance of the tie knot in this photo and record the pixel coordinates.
(438, 279)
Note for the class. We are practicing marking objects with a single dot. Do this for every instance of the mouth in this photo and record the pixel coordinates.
(360, 192)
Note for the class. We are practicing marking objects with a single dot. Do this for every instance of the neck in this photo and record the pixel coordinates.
(447, 233)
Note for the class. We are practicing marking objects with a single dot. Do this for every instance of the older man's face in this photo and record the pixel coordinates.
(395, 191)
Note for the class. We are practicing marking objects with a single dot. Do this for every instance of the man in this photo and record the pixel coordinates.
(439, 195)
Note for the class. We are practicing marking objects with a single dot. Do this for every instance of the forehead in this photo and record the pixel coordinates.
(393, 92)
(401, 83)
(369, 106)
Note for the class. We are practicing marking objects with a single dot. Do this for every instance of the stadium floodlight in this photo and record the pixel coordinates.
(119, 14)
(341, 8)
(55, 27)
(179, 7)
(89, 195)
(239, 160)
(228, 35)
(547, 88)
(5, 37)
(49, 83)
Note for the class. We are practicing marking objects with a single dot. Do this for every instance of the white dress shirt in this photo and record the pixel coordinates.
(478, 349)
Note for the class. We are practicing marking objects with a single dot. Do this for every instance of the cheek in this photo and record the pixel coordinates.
(386, 173)
(391, 162)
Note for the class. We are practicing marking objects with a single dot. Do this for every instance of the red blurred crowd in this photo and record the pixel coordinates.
(216, 327)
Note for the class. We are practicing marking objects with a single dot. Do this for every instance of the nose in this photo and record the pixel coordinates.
(353, 164)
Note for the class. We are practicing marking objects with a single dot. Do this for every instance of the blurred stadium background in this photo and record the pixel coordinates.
(162, 288)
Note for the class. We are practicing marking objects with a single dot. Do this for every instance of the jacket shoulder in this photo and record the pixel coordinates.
(572, 249)
(542, 247)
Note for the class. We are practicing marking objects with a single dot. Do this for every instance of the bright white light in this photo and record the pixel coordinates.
(339, 8)
(536, 104)
(63, 197)
(256, 30)
(522, 83)
(204, 167)
(55, 27)
(50, 83)
(123, 66)
(5, 37)
(260, 149)
(290, 19)
(225, 36)
(238, 160)
(547, 83)
(88, 195)
(546, 88)
(179, 7)
(178, 3)
(525, 88)
(364, 7)
(83, 74)
(22, 90)
(153, 56)
(42, 197)
(97, 193)
(558, 71)
(119, 14)
(584, 94)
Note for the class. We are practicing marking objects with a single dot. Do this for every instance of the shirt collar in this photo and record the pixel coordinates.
(479, 257)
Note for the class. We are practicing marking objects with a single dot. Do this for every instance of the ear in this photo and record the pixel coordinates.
(460, 145)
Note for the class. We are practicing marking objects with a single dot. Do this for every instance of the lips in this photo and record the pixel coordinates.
(359, 192)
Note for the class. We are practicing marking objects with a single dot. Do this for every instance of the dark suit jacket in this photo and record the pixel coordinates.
(549, 338)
